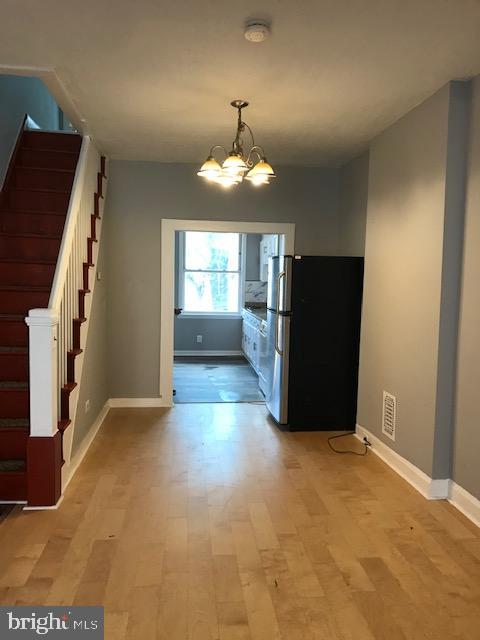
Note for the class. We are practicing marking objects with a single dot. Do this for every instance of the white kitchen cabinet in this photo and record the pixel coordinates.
(251, 339)
(268, 248)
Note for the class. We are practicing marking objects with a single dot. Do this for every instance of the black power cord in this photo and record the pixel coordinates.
(355, 453)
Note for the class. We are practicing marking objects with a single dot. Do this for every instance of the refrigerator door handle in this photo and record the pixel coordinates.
(277, 319)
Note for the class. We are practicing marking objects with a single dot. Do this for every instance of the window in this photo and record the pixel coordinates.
(210, 273)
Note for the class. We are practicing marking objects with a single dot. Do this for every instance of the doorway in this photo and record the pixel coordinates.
(169, 300)
(216, 343)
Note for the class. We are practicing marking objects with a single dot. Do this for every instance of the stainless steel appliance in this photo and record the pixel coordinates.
(313, 332)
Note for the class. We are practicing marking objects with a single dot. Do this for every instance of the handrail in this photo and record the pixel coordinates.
(70, 227)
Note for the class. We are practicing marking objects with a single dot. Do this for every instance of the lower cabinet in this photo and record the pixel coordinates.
(251, 338)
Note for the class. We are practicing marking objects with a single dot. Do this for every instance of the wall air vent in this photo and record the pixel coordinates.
(389, 415)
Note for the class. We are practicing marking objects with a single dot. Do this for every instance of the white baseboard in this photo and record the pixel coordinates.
(464, 502)
(208, 353)
(48, 508)
(126, 403)
(429, 488)
(68, 471)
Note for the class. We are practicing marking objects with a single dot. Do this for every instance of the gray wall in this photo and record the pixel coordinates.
(466, 449)
(353, 205)
(94, 382)
(140, 194)
(252, 259)
(20, 95)
(219, 334)
(407, 335)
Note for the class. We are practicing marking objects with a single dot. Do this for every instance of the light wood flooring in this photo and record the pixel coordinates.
(206, 522)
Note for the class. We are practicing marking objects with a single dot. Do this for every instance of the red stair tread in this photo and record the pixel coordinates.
(35, 236)
(19, 287)
(32, 217)
(28, 260)
(53, 169)
(31, 211)
(36, 190)
(28, 147)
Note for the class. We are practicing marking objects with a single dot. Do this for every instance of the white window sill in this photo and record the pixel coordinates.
(210, 316)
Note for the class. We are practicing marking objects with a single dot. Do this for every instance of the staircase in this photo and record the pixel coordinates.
(33, 208)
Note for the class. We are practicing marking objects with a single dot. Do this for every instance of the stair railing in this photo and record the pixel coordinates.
(51, 332)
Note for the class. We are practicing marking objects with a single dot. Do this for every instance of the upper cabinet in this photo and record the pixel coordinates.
(268, 248)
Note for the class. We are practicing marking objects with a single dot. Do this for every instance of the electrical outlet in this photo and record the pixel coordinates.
(87, 406)
(199, 338)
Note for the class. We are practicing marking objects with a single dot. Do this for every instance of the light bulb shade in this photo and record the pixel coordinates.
(210, 169)
(227, 180)
(234, 165)
(258, 180)
(261, 170)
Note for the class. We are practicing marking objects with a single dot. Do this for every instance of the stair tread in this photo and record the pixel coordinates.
(27, 147)
(37, 189)
(32, 211)
(13, 350)
(21, 287)
(13, 385)
(11, 317)
(12, 465)
(36, 236)
(75, 352)
(27, 261)
(53, 169)
(14, 423)
(51, 132)
(69, 386)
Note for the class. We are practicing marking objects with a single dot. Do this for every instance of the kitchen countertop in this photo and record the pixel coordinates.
(257, 312)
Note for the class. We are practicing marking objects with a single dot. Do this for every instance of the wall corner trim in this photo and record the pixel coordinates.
(126, 403)
(429, 488)
(464, 502)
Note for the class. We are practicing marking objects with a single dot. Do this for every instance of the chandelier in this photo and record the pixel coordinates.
(238, 165)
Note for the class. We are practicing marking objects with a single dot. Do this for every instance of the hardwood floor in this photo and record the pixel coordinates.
(206, 522)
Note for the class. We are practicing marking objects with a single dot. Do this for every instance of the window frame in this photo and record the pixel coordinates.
(181, 279)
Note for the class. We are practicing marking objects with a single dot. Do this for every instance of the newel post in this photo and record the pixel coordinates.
(44, 449)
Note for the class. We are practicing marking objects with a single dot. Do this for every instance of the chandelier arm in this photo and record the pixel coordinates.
(251, 134)
(258, 150)
(218, 146)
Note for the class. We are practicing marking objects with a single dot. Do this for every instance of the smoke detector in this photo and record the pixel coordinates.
(257, 31)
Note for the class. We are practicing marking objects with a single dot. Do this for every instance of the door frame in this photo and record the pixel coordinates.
(286, 231)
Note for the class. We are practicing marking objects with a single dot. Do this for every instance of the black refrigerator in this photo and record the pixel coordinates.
(313, 328)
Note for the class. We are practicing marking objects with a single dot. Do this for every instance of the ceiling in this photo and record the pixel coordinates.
(153, 78)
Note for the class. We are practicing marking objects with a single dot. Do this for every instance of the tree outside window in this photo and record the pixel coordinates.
(211, 272)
